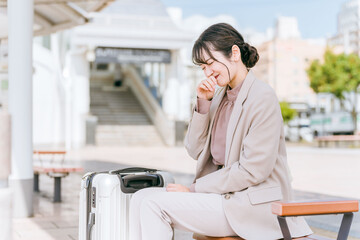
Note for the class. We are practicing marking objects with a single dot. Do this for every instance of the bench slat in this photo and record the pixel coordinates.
(313, 237)
(314, 207)
(48, 152)
(53, 167)
(339, 138)
(57, 169)
(202, 237)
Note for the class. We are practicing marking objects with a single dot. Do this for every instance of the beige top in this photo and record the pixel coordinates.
(221, 121)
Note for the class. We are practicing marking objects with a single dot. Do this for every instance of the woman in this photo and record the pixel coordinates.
(236, 134)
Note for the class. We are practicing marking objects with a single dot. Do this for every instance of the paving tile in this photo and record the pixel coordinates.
(311, 180)
(20, 225)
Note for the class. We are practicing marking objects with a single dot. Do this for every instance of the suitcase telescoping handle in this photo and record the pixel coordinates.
(132, 170)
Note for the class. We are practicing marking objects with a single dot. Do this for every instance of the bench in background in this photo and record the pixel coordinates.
(337, 139)
(54, 166)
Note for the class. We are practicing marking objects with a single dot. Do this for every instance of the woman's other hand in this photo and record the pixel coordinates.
(171, 187)
(206, 88)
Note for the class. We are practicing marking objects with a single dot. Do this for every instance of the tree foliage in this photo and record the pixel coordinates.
(287, 113)
(337, 74)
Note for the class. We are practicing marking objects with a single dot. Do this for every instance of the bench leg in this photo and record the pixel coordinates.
(36, 182)
(345, 226)
(57, 189)
(284, 228)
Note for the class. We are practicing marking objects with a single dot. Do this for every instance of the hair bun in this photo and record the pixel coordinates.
(249, 55)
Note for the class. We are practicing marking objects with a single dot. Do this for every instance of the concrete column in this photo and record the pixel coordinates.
(20, 104)
(68, 100)
(177, 96)
(77, 97)
(170, 97)
(184, 112)
(59, 97)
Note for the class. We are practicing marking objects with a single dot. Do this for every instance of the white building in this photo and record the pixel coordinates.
(287, 28)
(139, 39)
(348, 26)
(65, 63)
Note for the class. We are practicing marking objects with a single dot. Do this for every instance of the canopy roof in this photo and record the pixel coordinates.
(55, 15)
(133, 24)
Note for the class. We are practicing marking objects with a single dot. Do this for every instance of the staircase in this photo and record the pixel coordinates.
(122, 120)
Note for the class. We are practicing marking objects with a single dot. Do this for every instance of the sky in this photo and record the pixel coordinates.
(316, 18)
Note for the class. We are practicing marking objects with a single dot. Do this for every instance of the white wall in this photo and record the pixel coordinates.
(48, 99)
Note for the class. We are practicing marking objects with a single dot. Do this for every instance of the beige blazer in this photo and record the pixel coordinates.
(256, 171)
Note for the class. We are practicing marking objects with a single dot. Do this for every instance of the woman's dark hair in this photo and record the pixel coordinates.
(221, 37)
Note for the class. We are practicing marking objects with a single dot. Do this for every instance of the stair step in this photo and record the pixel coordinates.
(121, 118)
(127, 135)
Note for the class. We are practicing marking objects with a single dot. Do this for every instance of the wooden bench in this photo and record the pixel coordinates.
(293, 209)
(324, 140)
(53, 167)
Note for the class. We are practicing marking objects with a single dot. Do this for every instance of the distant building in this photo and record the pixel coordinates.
(287, 28)
(283, 62)
(347, 38)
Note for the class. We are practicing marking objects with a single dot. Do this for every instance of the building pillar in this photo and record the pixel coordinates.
(170, 98)
(177, 95)
(184, 96)
(77, 74)
(20, 104)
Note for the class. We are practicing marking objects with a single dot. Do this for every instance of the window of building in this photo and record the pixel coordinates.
(46, 41)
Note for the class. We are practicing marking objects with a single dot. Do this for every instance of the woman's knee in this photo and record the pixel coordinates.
(143, 193)
(153, 205)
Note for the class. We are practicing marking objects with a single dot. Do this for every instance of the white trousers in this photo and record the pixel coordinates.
(154, 213)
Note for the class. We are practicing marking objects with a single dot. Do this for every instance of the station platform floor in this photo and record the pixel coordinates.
(317, 173)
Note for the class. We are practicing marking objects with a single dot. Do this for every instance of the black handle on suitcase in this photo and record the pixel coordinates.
(132, 170)
(134, 182)
(140, 181)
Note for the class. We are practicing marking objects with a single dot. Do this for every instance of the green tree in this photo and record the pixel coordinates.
(287, 113)
(338, 74)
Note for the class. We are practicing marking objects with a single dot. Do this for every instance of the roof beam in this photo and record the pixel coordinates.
(41, 20)
(101, 5)
(3, 3)
(55, 28)
(80, 11)
(71, 13)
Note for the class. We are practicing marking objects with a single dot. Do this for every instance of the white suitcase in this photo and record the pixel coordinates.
(105, 197)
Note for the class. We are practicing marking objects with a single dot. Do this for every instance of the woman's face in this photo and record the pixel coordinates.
(221, 68)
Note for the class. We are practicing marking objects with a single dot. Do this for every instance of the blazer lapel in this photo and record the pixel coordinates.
(236, 113)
